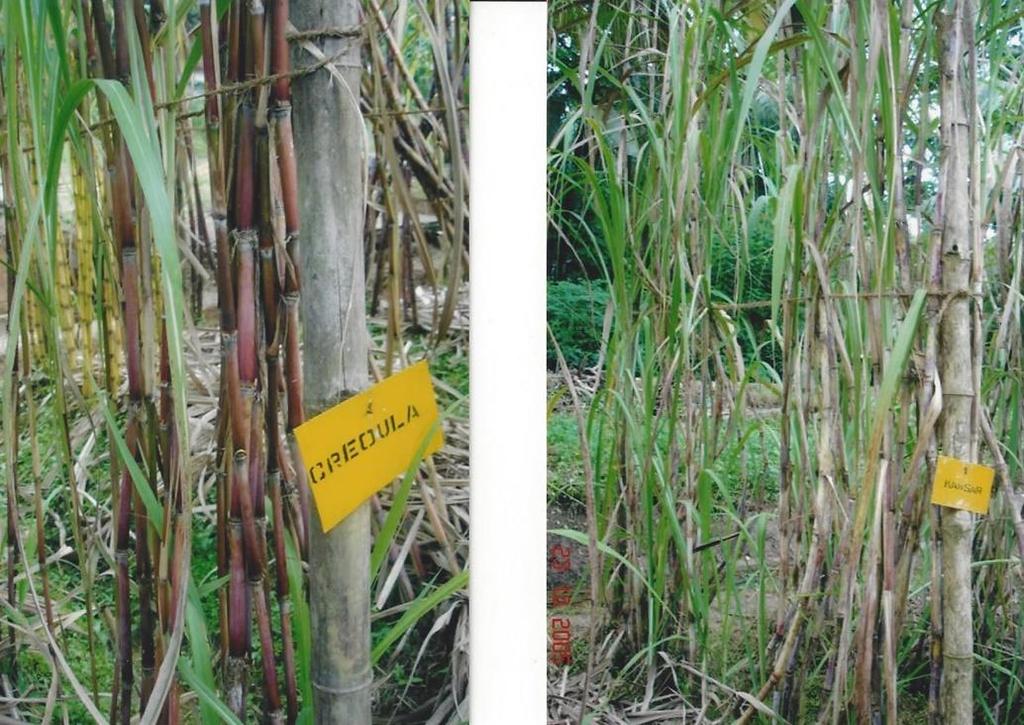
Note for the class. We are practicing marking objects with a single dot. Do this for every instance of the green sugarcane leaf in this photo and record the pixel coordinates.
(780, 244)
(580, 538)
(823, 55)
(207, 696)
(208, 588)
(423, 604)
(896, 366)
(200, 676)
(300, 619)
(144, 150)
(397, 509)
(141, 483)
(757, 60)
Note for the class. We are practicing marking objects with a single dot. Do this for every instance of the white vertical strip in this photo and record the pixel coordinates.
(508, 642)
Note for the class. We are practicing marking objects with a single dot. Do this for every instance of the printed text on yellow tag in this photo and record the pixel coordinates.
(962, 485)
(360, 445)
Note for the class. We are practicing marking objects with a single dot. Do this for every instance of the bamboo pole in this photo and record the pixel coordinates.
(328, 145)
(957, 425)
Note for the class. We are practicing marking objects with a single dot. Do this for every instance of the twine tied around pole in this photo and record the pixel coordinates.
(318, 33)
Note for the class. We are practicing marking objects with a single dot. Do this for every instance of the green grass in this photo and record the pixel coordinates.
(751, 462)
(65, 575)
(565, 471)
(451, 365)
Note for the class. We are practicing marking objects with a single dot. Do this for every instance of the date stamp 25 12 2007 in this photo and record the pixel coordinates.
(560, 561)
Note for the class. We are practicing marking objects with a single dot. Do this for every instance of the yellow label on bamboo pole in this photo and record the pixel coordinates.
(360, 445)
(962, 485)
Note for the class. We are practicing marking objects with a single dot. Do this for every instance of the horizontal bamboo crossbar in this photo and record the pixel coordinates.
(755, 304)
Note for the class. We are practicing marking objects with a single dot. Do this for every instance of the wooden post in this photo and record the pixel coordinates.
(957, 422)
(330, 157)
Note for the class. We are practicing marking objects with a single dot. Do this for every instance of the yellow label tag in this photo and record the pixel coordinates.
(360, 445)
(962, 485)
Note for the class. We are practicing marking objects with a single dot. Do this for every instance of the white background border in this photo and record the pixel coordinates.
(507, 373)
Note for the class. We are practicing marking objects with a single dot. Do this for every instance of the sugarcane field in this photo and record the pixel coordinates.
(785, 387)
(228, 224)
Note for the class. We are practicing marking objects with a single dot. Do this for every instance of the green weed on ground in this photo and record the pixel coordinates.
(565, 469)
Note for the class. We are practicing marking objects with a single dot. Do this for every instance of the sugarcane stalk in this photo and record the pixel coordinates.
(173, 504)
(243, 549)
(64, 299)
(86, 276)
(247, 180)
(239, 502)
(11, 462)
(232, 74)
(20, 377)
(130, 278)
(281, 118)
(229, 561)
(270, 291)
(139, 13)
(112, 333)
(236, 661)
(197, 220)
(133, 267)
(180, 502)
(129, 285)
(193, 281)
(122, 697)
(12, 543)
(144, 583)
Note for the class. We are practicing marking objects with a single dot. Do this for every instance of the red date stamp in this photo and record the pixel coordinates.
(561, 641)
(560, 560)
(561, 596)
